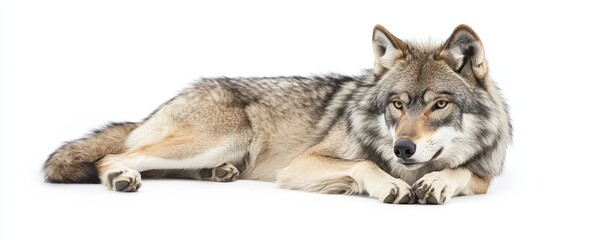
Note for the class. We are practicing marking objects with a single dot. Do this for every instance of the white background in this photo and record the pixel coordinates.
(70, 66)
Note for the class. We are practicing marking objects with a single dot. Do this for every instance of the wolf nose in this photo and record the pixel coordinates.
(404, 148)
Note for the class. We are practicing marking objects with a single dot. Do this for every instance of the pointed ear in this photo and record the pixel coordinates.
(465, 51)
(387, 49)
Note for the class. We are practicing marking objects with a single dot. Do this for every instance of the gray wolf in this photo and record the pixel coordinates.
(424, 125)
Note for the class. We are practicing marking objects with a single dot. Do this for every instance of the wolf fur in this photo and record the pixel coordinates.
(424, 125)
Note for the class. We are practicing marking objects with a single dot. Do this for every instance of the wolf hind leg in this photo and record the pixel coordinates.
(182, 139)
(227, 172)
(179, 156)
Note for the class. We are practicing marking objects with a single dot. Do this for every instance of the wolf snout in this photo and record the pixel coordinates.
(404, 148)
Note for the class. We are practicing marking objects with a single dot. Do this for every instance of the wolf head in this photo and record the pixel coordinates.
(440, 107)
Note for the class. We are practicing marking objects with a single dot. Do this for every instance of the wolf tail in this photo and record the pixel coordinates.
(74, 162)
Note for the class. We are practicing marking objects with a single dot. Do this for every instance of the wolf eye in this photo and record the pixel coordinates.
(398, 104)
(441, 104)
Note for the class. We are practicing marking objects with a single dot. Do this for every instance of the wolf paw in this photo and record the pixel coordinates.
(123, 180)
(432, 189)
(394, 191)
(224, 173)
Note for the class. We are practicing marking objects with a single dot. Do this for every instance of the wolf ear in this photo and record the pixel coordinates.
(466, 52)
(387, 49)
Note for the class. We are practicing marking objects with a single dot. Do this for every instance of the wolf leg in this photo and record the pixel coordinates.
(227, 172)
(186, 156)
(181, 139)
(322, 174)
(438, 187)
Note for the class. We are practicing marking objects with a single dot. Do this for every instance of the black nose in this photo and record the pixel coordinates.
(404, 148)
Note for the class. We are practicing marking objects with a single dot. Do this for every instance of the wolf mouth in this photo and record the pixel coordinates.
(413, 164)
(437, 154)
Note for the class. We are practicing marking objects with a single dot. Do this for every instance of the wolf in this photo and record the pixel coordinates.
(424, 125)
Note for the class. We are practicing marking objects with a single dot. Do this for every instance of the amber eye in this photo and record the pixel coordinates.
(398, 104)
(441, 104)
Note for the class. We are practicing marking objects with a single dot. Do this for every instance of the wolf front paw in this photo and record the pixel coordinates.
(393, 191)
(224, 173)
(123, 180)
(432, 189)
